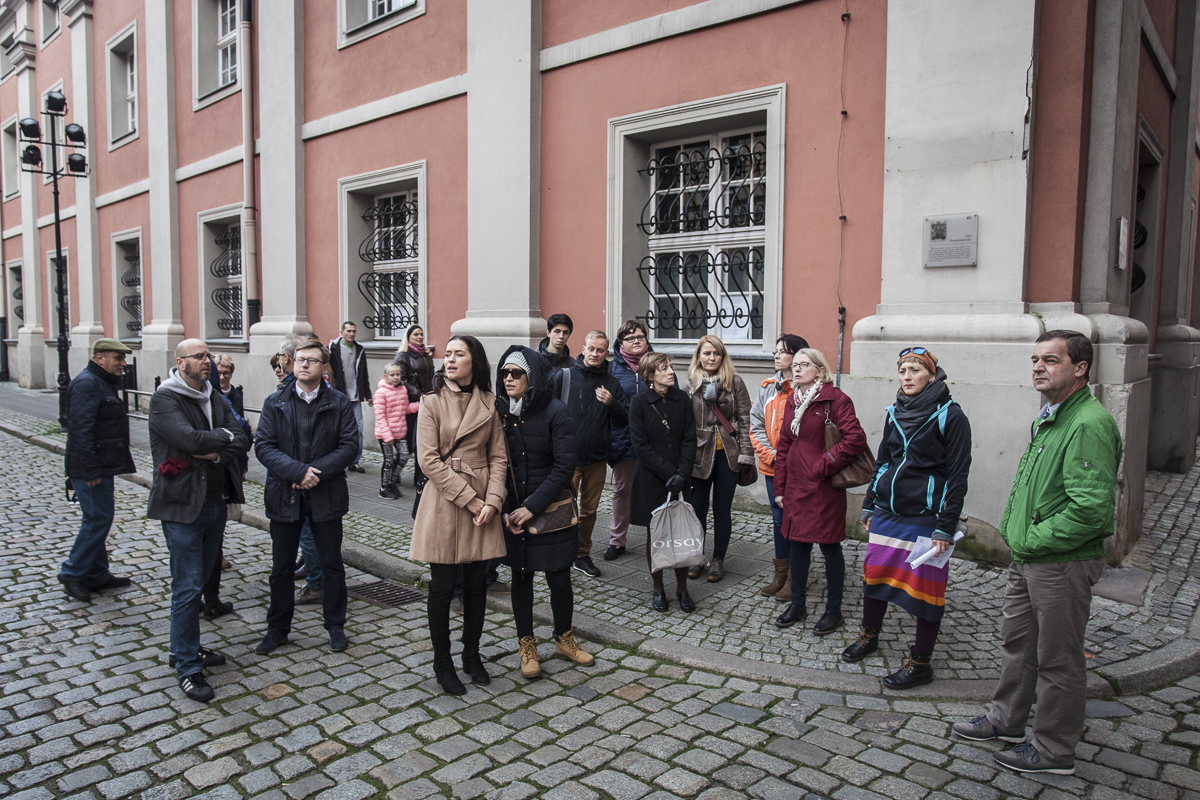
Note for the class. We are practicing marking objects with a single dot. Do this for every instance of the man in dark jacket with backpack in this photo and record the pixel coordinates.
(97, 449)
(348, 365)
(306, 439)
(597, 403)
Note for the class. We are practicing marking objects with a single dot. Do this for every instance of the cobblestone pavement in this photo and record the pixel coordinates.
(735, 619)
(90, 709)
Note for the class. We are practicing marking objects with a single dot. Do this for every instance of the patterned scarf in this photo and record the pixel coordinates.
(802, 403)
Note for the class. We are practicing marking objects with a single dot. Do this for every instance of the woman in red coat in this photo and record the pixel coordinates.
(813, 511)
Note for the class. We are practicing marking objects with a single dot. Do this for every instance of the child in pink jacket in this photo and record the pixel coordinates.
(391, 406)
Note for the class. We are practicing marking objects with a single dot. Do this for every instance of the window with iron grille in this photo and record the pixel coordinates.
(16, 310)
(220, 256)
(128, 260)
(228, 266)
(391, 248)
(705, 220)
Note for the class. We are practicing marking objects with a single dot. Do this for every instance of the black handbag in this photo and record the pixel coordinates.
(424, 479)
(559, 515)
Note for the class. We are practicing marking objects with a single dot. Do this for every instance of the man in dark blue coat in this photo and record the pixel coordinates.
(97, 449)
(307, 438)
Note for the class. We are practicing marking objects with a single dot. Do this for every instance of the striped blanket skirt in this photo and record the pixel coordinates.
(886, 576)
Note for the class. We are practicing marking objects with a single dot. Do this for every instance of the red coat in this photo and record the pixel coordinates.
(814, 511)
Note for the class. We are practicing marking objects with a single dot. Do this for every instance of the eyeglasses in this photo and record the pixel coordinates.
(916, 351)
(803, 364)
(198, 356)
(306, 361)
(634, 339)
(515, 374)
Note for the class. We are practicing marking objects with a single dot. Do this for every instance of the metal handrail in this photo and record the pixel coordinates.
(140, 393)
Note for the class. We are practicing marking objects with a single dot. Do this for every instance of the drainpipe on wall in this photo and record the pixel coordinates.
(249, 206)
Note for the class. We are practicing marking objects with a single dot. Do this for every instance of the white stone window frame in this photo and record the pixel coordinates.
(9, 36)
(10, 156)
(209, 225)
(49, 11)
(355, 21)
(206, 58)
(51, 284)
(631, 140)
(120, 49)
(118, 245)
(14, 277)
(353, 192)
(60, 125)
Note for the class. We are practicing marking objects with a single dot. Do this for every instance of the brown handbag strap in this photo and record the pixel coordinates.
(832, 434)
(721, 418)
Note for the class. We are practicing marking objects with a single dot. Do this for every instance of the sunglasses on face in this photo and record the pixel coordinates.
(515, 374)
(916, 351)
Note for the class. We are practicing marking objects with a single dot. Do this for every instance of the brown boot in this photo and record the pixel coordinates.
(780, 579)
(784, 595)
(568, 647)
(530, 668)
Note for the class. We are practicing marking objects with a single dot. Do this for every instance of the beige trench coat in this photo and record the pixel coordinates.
(444, 531)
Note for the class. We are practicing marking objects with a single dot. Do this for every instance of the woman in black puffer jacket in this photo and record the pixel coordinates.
(541, 449)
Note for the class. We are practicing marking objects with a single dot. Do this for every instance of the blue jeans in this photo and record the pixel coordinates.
(88, 559)
(835, 572)
(312, 559)
(782, 548)
(357, 406)
(194, 548)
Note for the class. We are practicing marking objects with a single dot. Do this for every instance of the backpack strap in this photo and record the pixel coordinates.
(564, 387)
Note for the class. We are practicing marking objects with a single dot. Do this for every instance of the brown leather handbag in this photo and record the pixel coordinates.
(559, 515)
(859, 471)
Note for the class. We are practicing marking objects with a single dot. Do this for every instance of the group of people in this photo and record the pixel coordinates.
(514, 475)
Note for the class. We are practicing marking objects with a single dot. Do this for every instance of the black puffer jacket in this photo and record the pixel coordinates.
(622, 444)
(97, 426)
(416, 371)
(594, 420)
(541, 452)
(928, 475)
(555, 360)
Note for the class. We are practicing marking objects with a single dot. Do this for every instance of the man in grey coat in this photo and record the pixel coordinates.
(196, 443)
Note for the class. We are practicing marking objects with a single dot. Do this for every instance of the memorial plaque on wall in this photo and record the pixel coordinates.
(951, 240)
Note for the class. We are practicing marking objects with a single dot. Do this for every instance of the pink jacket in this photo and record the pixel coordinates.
(391, 406)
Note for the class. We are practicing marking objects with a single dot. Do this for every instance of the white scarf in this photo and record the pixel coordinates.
(802, 403)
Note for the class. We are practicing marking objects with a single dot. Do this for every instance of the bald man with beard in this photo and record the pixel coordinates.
(196, 443)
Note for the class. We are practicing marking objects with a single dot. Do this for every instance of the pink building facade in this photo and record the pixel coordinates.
(737, 167)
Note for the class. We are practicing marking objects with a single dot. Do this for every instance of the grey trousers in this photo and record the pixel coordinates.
(1046, 610)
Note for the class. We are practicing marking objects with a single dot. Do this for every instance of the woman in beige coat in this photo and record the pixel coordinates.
(458, 520)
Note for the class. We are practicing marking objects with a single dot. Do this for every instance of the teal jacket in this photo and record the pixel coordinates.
(1063, 499)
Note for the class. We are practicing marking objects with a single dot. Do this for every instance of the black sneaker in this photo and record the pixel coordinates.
(355, 468)
(586, 566)
(196, 688)
(612, 552)
(211, 658)
(273, 639)
(337, 639)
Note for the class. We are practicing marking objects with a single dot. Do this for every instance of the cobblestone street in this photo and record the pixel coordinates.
(90, 709)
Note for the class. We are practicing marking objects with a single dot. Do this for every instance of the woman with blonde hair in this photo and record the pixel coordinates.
(721, 406)
(814, 512)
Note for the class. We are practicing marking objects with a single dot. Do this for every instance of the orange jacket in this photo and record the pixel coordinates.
(766, 418)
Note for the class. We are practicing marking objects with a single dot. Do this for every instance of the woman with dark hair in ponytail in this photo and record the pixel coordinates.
(461, 448)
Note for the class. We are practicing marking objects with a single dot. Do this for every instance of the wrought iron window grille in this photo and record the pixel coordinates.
(392, 297)
(228, 300)
(132, 303)
(698, 188)
(701, 292)
(228, 264)
(393, 235)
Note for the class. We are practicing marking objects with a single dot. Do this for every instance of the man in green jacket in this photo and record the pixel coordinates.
(1058, 515)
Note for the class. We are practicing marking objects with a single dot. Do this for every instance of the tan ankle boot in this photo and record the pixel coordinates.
(567, 647)
(784, 595)
(780, 579)
(530, 668)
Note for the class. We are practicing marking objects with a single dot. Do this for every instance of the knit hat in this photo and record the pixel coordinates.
(517, 359)
(925, 358)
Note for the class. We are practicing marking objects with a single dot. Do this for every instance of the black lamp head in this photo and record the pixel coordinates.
(32, 156)
(30, 129)
(75, 134)
(77, 163)
(56, 103)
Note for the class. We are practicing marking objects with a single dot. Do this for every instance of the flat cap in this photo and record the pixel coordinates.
(109, 346)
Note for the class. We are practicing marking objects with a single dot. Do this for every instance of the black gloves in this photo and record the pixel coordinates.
(675, 484)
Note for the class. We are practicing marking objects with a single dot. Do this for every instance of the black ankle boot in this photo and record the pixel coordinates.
(448, 680)
(473, 666)
(866, 643)
(915, 672)
(791, 615)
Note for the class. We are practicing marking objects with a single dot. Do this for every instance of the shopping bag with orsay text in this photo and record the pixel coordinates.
(676, 537)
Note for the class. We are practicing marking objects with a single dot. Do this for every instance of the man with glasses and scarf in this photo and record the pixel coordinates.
(197, 445)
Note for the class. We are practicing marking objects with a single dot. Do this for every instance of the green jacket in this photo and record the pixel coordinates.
(1063, 499)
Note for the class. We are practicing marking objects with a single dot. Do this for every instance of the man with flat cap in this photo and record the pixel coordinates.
(97, 449)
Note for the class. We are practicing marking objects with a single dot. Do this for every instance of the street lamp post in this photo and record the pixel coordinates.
(76, 163)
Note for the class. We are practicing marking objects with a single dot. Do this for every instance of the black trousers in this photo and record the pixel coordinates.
(722, 484)
(285, 541)
(562, 601)
(441, 588)
(411, 438)
(212, 586)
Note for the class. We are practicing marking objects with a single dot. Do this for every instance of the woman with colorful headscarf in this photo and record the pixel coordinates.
(913, 502)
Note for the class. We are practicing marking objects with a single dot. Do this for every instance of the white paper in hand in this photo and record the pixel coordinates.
(923, 554)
